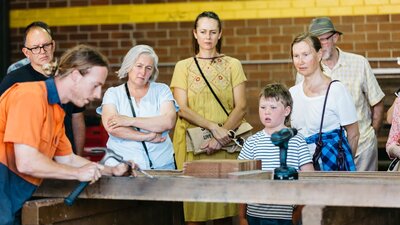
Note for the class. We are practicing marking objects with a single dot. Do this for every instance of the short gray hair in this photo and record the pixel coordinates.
(132, 56)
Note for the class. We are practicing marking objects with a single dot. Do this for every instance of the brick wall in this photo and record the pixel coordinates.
(267, 39)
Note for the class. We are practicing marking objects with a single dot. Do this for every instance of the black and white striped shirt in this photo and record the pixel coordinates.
(259, 146)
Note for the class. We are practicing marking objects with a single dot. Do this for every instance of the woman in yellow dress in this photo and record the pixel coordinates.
(199, 108)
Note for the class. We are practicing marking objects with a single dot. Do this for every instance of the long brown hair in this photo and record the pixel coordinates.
(211, 15)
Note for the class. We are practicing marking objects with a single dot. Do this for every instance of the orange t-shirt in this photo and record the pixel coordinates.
(27, 117)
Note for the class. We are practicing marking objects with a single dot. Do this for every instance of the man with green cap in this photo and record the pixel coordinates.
(356, 74)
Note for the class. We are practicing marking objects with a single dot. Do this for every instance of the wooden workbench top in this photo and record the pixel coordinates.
(372, 189)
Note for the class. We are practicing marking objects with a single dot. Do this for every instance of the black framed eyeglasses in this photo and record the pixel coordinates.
(324, 40)
(239, 141)
(36, 50)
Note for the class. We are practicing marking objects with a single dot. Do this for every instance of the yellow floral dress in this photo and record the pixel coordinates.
(223, 74)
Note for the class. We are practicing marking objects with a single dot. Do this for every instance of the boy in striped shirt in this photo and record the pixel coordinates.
(275, 105)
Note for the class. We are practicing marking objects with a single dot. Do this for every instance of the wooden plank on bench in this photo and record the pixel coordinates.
(373, 192)
(320, 175)
(219, 168)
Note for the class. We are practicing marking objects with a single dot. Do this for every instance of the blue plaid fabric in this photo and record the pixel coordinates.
(330, 157)
(18, 65)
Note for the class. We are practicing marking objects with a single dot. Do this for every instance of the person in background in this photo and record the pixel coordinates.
(150, 145)
(393, 118)
(308, 103)
(198, 107)
(356, 74)
(33, 143)
(275, 106)
(39, 49)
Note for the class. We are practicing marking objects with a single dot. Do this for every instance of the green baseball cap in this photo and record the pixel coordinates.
(322, 25)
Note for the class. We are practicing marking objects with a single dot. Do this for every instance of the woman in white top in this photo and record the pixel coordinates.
(309, 95)
(155, 110)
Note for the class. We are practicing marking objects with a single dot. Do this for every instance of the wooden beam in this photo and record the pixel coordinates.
(49, 211)
(329, 215)
(313, 215)
(349, 175)
(31, 209)
(101, 212)
(259, 174)
(373, 189)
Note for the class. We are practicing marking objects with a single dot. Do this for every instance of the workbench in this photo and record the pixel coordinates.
(316, 190)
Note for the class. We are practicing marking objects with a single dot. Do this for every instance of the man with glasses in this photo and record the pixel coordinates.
(39, 49)
(356, 74)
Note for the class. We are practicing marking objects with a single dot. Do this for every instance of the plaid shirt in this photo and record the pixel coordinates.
(18, 64)
(356, 74)
(329, 152)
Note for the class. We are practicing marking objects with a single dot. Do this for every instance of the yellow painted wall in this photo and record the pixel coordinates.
(227, 10)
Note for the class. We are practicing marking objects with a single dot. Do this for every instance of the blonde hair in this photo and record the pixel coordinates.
(81, 58)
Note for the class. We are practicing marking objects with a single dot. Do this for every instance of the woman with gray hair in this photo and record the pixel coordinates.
(139, 113)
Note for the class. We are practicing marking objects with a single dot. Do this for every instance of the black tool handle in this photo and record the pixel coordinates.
(69, 201)
(281, 138)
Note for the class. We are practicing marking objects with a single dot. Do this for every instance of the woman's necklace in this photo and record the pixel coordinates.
(212, 59)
